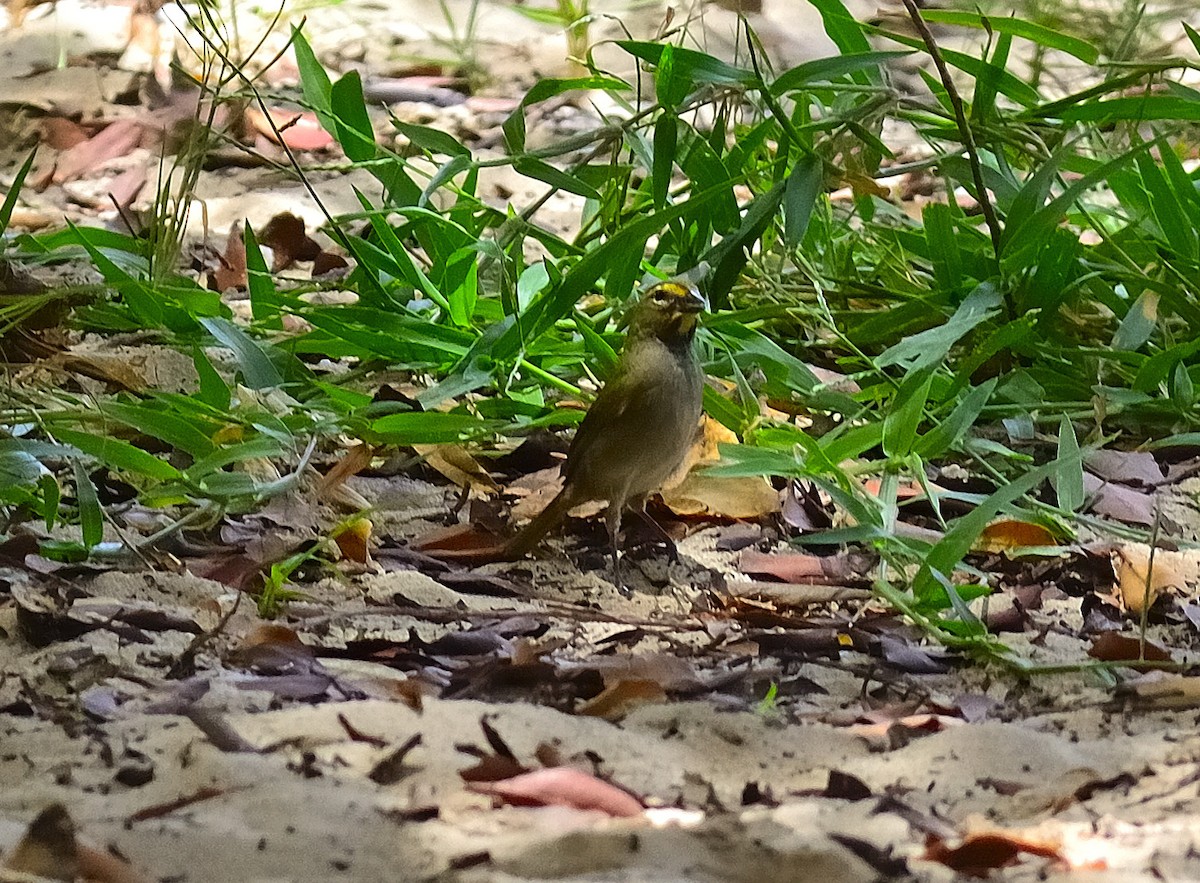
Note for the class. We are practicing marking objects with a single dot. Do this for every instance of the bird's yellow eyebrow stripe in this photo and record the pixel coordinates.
(673, 288)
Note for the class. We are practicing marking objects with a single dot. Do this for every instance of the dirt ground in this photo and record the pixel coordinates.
(409, 720)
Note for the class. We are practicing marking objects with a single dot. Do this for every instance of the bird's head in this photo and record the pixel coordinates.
(668, 311)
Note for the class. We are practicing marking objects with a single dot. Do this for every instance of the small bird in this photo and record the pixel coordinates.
(641, 425)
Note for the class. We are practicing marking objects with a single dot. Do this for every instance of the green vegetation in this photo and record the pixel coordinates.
(1066, 305)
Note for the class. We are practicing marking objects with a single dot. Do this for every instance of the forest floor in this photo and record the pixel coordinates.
(744, 713)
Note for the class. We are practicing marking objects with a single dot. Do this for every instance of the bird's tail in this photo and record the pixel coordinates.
(545, 521)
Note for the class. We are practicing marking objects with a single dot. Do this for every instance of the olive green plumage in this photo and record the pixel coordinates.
(643, 422)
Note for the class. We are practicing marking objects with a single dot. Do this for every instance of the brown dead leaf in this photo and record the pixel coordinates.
(125, 188)
(113, 370)
(353, 462)
(562, 786)
(1008, 534)
(284, 234)
(978, 854)
(796, 567)
(617, 700)
(61, 133)
(1126, 467)
(456, 463)
(747, 497)
(114, 140)
(692, 492)
(354, 540)
(231, 267)
(298, 130)
(468, 544)
(1118, 501)
(50, 850)
(270, 633)
(1114, 647)
(326, 262)
(1172, 572)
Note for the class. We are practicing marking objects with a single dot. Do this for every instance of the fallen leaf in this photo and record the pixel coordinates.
(457, 464)
(50, 850)
(1172, 571)
(1114, 647)
(231, 266)
(354, 540)
(562, 786)
(699, 493)
(796, 567)
(1118, 501)
(617, 700)
(352, 462)
(691, 491)
(113, 370)
(284, 234)
(1126, 467)
(114, 140)
(61, 133)
(977, 855)
(326, 262)
(1008, 535)
(298, 130)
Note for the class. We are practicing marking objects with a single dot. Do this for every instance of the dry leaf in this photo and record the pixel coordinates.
(1118, 501)
(114, 370)
(51, 851)
(562, 786)
(1009, 534)
(1114, 647)
(981, 853)
(353, 462)
(746, 497)
(797, 567)
(114, 140)
(690, 491)
(1131, 562)
(299, 131)
(354, 540)
(231, 268)
(1127, 467)
(284, 234)
(617, 700)
(457, 464)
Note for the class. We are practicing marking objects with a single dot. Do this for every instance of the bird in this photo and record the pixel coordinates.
(642, 423)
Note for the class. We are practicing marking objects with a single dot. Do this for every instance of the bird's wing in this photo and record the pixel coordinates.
(621, 412)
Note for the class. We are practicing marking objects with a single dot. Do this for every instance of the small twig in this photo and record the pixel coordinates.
(159, 810)
(964, 128)
(1147, 599)
(184, 666)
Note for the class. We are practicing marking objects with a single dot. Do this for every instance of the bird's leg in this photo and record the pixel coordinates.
(613, 520)
(668, 540)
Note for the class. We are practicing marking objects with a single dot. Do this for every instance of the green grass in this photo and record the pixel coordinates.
(1066, 306)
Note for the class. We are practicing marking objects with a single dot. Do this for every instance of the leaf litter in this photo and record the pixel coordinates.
(748, 708)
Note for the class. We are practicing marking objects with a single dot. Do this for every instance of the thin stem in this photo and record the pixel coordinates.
(964, 128)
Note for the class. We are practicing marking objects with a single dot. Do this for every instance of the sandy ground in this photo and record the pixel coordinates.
(296, 762)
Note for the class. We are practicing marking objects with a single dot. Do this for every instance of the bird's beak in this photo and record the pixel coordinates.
(693, 302)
